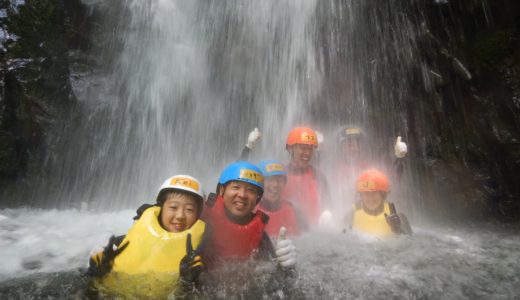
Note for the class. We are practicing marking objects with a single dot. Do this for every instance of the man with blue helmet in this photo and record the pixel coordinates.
(281, 212)
(238, 233)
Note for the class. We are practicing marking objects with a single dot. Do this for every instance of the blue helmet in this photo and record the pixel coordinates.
(272, 167)
(242, 171)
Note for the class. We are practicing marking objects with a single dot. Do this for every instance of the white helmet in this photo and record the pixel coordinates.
(184, 183)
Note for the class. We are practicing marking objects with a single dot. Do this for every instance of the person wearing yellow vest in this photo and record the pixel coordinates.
(159, 256)
(373, 214)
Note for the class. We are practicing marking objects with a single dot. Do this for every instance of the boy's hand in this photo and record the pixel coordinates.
(253, 137)
(101, 263)
(285, 250)
(191, 264)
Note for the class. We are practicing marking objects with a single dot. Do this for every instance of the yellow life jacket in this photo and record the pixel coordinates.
(149, 266)
(376, 225)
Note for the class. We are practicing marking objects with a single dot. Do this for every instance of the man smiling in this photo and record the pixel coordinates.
(238, 232)
(306, 187)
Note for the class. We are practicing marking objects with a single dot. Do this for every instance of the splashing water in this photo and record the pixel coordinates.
(183, 82)
(445, 263)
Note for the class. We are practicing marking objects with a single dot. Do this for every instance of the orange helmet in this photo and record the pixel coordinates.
(302, 135)
(373, 181)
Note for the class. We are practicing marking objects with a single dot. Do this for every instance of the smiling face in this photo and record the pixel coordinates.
(178, 212)
(240, 198)
(273, 187)
(301, 155)
(373, 201)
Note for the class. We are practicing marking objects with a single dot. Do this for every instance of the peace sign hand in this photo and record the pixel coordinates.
(191, 264)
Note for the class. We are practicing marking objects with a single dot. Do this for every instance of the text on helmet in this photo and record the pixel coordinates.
(274, 167)
(186, 182)
(251, 175)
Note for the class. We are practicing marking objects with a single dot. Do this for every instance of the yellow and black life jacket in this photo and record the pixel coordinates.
(372, 224)
(149, 266)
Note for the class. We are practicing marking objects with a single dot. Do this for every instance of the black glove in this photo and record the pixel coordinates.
(395, 223)
(393, 220)
(191, 265)
(100, 265)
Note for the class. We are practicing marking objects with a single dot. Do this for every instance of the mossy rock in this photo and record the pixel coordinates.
(491, 48)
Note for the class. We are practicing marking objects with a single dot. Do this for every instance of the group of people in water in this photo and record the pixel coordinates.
(252, 216)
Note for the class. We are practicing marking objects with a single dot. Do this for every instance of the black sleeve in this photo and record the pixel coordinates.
(398, 168)
(119, 239)
(405, 224)
(266, 250)
(139, 212)
(245, 154)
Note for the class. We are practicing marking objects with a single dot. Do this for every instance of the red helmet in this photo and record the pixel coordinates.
(373, 181)
(302, 135)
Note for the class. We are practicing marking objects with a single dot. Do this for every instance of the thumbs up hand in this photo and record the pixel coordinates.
(400, 148)
(285, 250)
(253, 137)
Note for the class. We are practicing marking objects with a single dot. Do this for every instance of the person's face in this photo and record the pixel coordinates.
(178, 212)
(240, 198)
(273, 187)
(301, 155)
(372, 201)
(351, 149)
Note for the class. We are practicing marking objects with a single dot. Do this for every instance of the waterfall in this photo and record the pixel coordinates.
(184, 82)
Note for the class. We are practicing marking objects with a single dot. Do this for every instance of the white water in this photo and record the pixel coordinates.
(189, 80)
(53, 240)
(435, 263)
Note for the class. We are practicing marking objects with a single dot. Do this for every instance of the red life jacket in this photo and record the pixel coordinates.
(231, 241)
(302, 190)
(285, 216)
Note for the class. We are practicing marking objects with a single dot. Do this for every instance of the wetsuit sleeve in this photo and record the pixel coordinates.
(119, 239)
(139, 212)
(405, 224)
(206, 253)
(245, 154)
(266, 249)
(398, 168)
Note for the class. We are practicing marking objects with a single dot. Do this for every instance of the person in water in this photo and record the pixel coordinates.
(238, 232)
(306, 187)
(354, 157)
(159, 255)
(373, 214)
(281, 212)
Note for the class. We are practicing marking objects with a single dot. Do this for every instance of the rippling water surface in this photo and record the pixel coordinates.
(42, 251)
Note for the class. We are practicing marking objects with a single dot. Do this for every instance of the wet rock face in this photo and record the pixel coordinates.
(473, 47)
(34, 72)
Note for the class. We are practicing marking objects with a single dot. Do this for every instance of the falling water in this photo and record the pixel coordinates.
(180, 86)
(186, 81)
